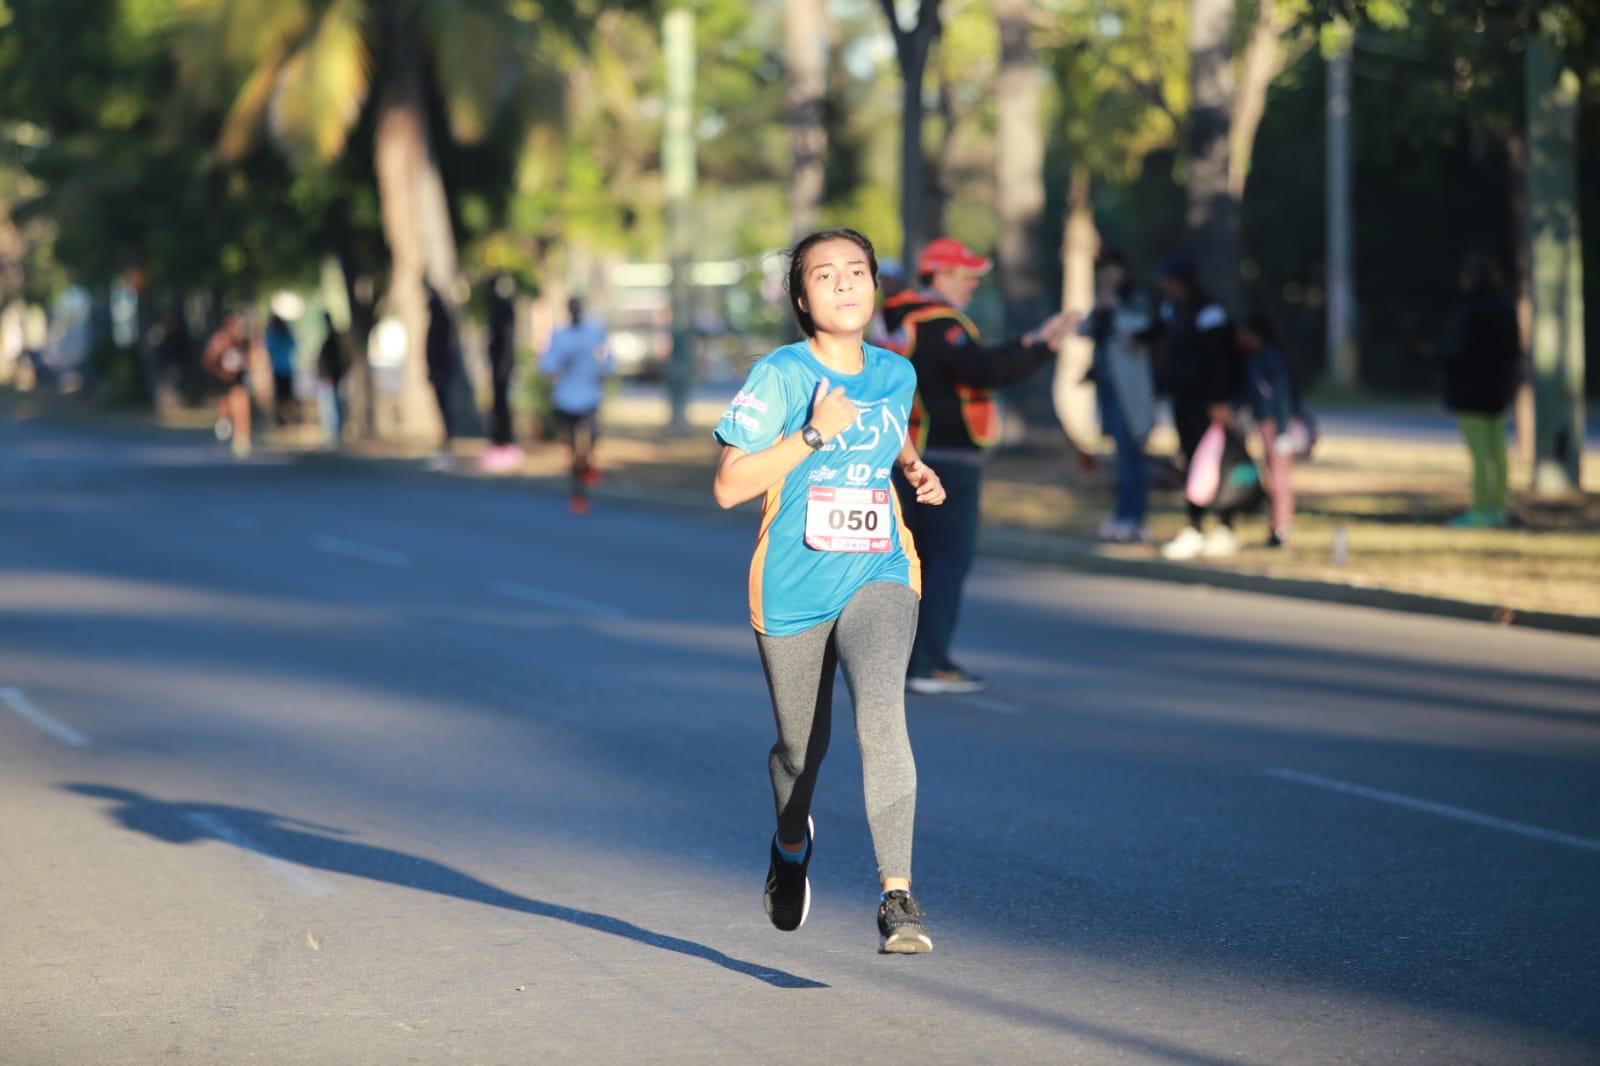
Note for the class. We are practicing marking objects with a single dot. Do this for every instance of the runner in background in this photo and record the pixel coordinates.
(954, 420)
(280, 342)
(578, 362)
(814, 431)
(227, 359)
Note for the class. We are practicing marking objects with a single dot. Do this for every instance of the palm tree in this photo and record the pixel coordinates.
(305, 72)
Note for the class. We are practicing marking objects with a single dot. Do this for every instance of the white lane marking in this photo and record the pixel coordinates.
(237, 521)
(1461, 814)
(985, 703)
(559, 600)
(351, 549)
(19, 703)
(214, 826)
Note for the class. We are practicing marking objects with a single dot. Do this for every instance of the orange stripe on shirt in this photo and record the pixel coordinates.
(769, 514)
(908, 545)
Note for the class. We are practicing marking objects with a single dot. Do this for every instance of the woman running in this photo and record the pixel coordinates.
(227, 359)
(815, 430)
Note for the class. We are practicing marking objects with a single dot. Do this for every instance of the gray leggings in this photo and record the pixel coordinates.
(871, 640)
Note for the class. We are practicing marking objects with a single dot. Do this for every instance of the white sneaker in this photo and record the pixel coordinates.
(1186, 545)
(1220, 543)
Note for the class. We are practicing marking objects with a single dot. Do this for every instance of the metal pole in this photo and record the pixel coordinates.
(678, 180)
(1342, 362)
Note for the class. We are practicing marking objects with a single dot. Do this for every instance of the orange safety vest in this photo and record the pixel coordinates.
(979, 412)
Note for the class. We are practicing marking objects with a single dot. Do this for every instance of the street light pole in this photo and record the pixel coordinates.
(678, 180)
(1342, 362)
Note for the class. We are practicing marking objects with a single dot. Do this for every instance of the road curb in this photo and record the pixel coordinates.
(1026, 546)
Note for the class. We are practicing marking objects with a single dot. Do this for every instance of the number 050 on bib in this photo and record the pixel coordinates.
(848, 520)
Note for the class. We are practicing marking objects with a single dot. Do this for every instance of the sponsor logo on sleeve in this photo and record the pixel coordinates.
(742, 420)
(750, 400)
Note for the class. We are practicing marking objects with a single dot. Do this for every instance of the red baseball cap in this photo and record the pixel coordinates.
(947, 253)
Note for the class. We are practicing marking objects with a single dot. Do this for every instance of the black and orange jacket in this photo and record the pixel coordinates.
(954, 409)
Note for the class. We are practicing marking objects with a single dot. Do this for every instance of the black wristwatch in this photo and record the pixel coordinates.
(813, 439)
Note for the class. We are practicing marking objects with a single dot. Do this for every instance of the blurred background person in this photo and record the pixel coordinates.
(503, 453)
(577, 363)
(443, 352)
(1479, 356)
(280, 344)
(1201, 373)
(227, 360)
(1273, 402)
(1121, 327)
(332, 364)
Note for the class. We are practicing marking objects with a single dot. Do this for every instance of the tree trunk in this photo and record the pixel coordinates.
(1262, 62)
(401, 152)
(1075, 400)
(936, 195)
(1212, 212)
(806, 43)
(911, 48)
(1553, 88)
(1522, 272)
(1019, 168)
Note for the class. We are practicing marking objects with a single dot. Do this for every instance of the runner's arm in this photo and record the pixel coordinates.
(930, 490)
(743, 475)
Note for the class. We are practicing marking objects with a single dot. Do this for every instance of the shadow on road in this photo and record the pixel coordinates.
(306, 844)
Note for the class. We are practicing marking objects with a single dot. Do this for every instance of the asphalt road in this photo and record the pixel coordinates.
(306, 762)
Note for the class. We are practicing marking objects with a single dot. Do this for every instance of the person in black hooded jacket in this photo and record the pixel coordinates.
(1479, 357)
(1202, 372)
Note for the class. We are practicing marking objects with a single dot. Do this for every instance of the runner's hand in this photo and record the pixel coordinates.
(831, 412)
(930, 489)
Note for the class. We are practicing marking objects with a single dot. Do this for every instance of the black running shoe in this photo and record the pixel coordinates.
(788, 895)
(903, 926)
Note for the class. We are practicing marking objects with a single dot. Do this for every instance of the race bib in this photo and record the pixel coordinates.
(847, 520)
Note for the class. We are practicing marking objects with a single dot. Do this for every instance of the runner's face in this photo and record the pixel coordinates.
(839, 287)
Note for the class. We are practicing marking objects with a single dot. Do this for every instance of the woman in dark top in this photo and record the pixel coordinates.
(1479, 357)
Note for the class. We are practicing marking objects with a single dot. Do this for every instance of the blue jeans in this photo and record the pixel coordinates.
(1133, 477)
(947, 539)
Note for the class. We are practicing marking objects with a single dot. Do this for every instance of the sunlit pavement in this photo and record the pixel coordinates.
(300, 762)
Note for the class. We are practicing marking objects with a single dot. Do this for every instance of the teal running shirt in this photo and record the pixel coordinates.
(833, 524)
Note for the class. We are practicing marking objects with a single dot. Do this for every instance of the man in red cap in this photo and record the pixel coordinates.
(953, 420)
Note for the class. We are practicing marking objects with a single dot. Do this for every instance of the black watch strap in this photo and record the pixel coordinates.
(813, 439)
